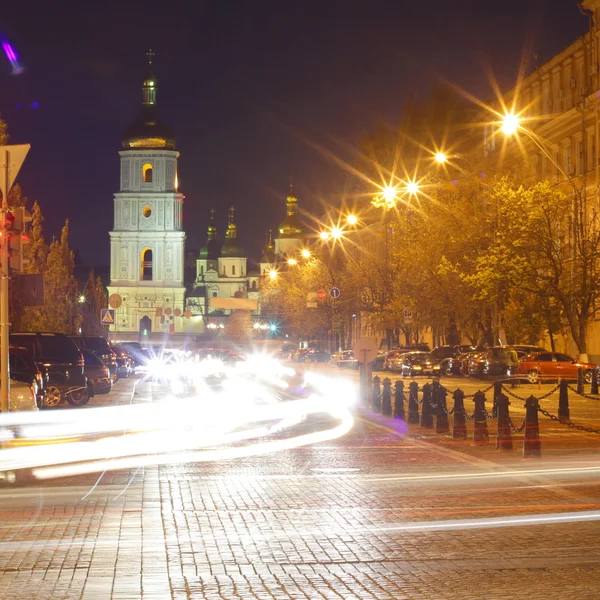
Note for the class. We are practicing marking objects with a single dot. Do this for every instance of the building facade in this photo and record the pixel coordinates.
(147, 240)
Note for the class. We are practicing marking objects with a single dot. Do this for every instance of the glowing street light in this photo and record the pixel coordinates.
(389, 194)
(324, 235)
(510, 124)
(441, 158)
(305, 253)
(352, 219)
(273, 274)
(81, 299)
(336, 233)
(412, 187)
(292, 262)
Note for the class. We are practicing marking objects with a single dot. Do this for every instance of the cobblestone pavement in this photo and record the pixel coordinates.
(371, 515)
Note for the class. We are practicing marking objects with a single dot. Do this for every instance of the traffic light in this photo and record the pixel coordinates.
(15, 222)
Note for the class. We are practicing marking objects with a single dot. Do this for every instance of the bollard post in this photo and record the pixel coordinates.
(594, 388)
(580, 381)
(386, 398)
(497, 391)
(504, 436)
(399, 401)
(481, 435)
(563, 400)
(441, 422)
(532, 446)
(413, 402)
(459, 427)
(376, 394)
(426, 411)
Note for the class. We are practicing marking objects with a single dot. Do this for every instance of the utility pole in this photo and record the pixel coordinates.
(11, 159)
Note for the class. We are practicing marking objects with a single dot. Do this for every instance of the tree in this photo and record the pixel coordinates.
(94, 300)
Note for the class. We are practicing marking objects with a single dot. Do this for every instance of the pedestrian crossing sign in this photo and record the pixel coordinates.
(107, 316)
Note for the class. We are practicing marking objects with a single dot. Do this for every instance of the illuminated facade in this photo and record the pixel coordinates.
(147, 240)
(221, 272)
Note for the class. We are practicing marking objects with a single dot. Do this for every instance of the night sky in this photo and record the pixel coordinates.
(251, 89)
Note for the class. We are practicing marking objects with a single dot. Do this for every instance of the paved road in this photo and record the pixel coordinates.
(374, 514)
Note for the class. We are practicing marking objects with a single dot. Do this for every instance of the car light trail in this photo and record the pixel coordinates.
(250, 403)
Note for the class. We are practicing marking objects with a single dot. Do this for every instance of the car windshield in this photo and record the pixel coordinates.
(419, 357)
(58, 347)
(91, 359)
(97, 344)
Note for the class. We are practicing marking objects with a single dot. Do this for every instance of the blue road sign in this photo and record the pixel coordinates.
(334, 292)
(107, 316)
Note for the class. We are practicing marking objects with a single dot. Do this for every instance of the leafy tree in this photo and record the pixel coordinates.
(94, 294)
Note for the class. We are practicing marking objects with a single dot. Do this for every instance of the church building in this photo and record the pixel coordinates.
(147, 240)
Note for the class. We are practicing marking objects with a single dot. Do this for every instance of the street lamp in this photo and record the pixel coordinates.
(324, 235)
(273, 274)
(292, 262)
(510, 124)
(352, 219)
(441, 158)
(336, 233)
(305, 253)
(81, 299)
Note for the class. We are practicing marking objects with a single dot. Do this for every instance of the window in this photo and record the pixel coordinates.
(580, 168)
(233, 269)
(214, 294)
(201, 269)
(147, 173)
(147, 212)
(563, 358)
(544, 358)
(147, 265)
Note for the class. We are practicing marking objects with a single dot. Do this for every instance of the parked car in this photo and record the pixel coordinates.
(21, 397)
(317, 356)
(553, 365)
(24, 369)
(62, 361)
(125, 362)
(476, 363)
(379, 360)
(458, 365)
(418, 363)
(348, 360)
(97, 373)
(528, 349)
(101, 348)
(501, 361)
(140, 355)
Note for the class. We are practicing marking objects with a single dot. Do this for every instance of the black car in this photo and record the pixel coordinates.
(317, 356)
(419, 363)
(97, 373)
(24, 369)
(98, 345)
(61, 360)
(125, 362)
(140, 355)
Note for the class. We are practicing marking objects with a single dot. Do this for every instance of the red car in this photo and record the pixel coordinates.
(553, 365)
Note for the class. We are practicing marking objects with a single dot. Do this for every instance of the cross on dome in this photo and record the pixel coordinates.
(150, 54)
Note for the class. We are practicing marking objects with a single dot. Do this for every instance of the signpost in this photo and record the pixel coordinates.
(321, 295)
(334, 292)
(107, 316)
(365, 351)
(407, 316)
(11, 159)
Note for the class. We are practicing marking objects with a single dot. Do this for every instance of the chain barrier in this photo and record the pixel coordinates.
(513, 395)
(588, 396)
(517, 429)
(568, 423)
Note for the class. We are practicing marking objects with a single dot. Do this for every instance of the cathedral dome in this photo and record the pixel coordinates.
(231, 248)
(147, 132)
(291, 227)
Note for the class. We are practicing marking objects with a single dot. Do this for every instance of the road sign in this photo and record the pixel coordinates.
(334, 292)
(407, 316)
(107, 316)
(11, 159)
(311, 305)
(115, 301)
(365, 350)
(321, 295)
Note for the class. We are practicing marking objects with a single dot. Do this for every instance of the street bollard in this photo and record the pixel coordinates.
(563, 400)
(594, 388)
(532, 446)
(459, 427)
(427, 411)
(441, 422)
(504, 437)
(481, 435)
(580, 381)
(386, 398)
(376, 394)
(497, 392)
(399, 401)
(413, 402)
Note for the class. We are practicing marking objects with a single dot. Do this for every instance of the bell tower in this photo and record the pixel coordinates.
(147, 240)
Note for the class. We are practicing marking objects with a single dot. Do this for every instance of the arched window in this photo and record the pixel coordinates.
(253, 288)
(147, 265)
(214, 294)
(233, 269)
(201, 269)
(147, 173)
